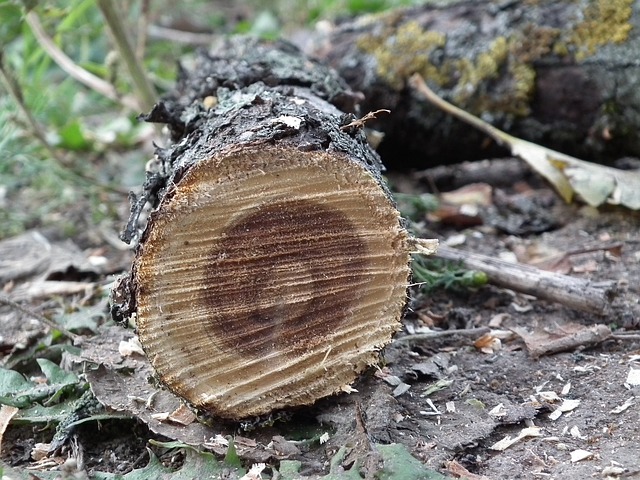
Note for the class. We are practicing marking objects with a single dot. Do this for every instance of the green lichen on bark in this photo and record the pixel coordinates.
(403, 51)
(409, 48)
(404, 46)
(605, 22)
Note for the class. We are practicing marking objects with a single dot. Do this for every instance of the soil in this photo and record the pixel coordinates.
(449, 398)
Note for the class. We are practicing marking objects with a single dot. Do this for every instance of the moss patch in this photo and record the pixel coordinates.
(605, 22)
(405, 51)
(500, 79)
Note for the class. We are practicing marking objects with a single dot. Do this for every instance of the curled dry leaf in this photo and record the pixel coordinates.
(6, 414)
(595, 184)
(508, 441)
(578, 455)
(488, 344)
(633, 377)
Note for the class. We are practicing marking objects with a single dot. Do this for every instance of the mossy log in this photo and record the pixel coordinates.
(274, 264)
(561, 74)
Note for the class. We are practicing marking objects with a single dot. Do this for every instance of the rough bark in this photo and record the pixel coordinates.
(273, 243)
(561, 74)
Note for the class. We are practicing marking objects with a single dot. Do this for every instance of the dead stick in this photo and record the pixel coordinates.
(4, 300)
(573, 292)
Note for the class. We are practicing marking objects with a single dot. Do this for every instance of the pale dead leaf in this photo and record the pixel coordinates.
(508, 441)
(488, 344)
(621, 408)
(6, 414)
(182, 415)
(459, 471)
(578, 455)
(472, 194)
(633, 377)
(566, 406)
(595, 184)
(254, 472)
(40, 451)
(129, 347)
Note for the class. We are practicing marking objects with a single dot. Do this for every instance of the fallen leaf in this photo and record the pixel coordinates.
(182, 415)
(454, 468)
(6, 414)
(578, 455)
(508, 441)
(633, 377)
(488, 344)
(471, 194)
(566, 406)
(129, 347)
(595, 184)
(254, 472)
(621, 408)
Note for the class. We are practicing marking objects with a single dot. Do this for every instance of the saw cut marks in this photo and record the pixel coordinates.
(268, 278)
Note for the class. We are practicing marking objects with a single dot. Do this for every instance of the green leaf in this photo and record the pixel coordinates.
(10, 22)
(72, 137)
(40, 414)
(56, 375)
(290, 469)
(399, 464)
(231, 458)
(12, 382)
(196, 465)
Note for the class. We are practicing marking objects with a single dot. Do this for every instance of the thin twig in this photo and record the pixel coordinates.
(626, 336)
(36, 130)
(180, 36)
(467, 332)
(360, 122)
(74, 70)
(143, 23)
(143, 86)
(16, 306)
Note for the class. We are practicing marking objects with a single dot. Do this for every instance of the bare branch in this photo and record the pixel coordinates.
(72, 69)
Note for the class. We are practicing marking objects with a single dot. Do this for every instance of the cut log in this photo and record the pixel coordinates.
(560, 74)
(274, 265)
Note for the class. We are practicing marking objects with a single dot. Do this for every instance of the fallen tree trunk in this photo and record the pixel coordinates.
(274, 264)
(561, 74)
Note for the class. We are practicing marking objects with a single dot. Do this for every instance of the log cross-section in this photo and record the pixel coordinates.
(274, 265)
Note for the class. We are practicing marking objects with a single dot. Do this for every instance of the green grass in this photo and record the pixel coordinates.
(81, 125)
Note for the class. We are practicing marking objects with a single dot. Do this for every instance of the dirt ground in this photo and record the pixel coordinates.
(449, 397)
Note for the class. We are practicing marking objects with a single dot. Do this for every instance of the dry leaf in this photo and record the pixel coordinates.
(488, 344)
(459, 471)
(578, 455)
(595, 184)
(6, 414)
(621, 408)
(472, 194)
(182, 415)
(633, 377)
(507, 441)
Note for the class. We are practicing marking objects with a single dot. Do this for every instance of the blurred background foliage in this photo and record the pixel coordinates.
(68, 154)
